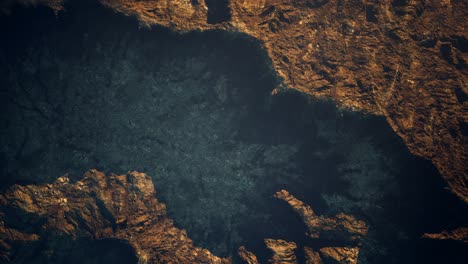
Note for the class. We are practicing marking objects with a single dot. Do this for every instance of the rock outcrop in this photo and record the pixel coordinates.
(343, 228)
(311, 256)
(459, 234)
(340, 255)
(405, 60)
(122, 207)
(125, 208)
(247, 256)
(283, 252)
(340, 227)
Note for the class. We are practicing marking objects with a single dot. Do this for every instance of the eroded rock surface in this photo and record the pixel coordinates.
(459, 234)
(405, 60)
(342, 226)
(311, 256)
(99, 206)
(340, 255)
(283, 252)
(247, 256)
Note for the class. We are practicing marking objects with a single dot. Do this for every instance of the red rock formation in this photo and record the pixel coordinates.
(122, 207)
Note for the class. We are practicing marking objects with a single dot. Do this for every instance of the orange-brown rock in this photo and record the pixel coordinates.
(459, 234)
(99, 206)
(247, 256)
(405, 60)
(283, 252)
(311, 256)
(342, 226)
(340, 255)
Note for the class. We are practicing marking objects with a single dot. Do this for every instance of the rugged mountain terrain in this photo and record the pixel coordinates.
(405, 60)
(125, 208)
(402, 59)
(122, 207)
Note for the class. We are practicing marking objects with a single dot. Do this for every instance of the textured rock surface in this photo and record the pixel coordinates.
(311, 256)
(459, 234)
(405, 60)
(283, 251)
(122, 207)
(342, 226)
(340, 255)
(247, 256)
(172, 5)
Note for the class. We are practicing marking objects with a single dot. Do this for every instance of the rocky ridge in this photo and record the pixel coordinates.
(459, 234)
(99, 206)
(343, 227)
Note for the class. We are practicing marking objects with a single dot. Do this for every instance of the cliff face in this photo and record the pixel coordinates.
(405, 60)
(122, 207)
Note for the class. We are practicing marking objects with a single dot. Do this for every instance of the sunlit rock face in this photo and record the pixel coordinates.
(98, 207)
(197, 112)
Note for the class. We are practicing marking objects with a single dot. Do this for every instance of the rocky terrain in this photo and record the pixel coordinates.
(125, 208)
(459, 234)
(122, 207)
(402, 59)
(341, 229)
